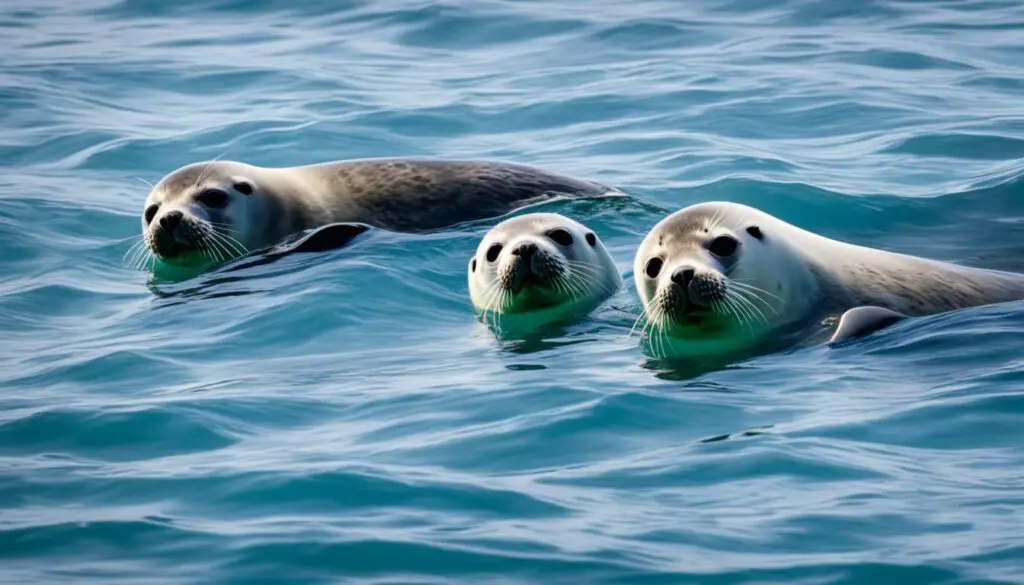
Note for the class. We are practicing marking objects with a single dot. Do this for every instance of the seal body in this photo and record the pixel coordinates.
(538, 268)
(220, 210)
(718, 277)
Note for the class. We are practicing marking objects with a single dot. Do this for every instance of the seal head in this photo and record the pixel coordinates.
(541, 265)
(713, 278)
(205, 213)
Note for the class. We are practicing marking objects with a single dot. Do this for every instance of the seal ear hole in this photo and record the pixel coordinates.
(653, 267)
(493, 251)
(243, 187)
(756, 232)
(151, 213)
(591, 239)
(472, 265)
(723, 246)
(560, 237)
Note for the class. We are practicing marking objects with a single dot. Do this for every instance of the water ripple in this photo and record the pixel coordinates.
(342, 417)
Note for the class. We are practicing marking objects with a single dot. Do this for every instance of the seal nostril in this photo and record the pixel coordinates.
(525, 250)
(171, 220)
(683, 277)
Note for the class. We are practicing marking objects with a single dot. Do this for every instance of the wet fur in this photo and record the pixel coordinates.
(572, 279)
(409, 195)
(822, 279)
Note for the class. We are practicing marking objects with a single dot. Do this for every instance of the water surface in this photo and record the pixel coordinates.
(343, 418)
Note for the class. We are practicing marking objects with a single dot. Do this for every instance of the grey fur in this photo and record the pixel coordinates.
(400, 194)
(822, 280)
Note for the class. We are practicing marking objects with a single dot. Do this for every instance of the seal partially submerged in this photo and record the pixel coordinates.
(538, 268)
(719, 277)
(216, 211)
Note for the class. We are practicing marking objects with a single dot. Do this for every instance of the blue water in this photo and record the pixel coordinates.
(343, 418)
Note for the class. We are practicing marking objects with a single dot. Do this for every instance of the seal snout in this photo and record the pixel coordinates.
(691, 291)
(170, 221)
(172, 234)
(528, 263)
(525, 251)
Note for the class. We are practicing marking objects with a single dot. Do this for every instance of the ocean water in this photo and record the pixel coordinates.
(343, 418)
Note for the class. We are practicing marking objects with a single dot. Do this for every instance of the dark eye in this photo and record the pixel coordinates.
(591, 239)
(214, 198)
(151, 213)
(755, 231)
(723, 246)
(560, 237)
(243, 187)
(493, 251)
(653, 267)
(472, 265)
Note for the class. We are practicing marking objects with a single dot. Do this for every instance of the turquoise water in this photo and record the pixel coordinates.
(342, 418)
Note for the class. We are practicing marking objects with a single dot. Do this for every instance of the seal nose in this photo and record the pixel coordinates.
(683, 276)
(170, 220)
(526, 250)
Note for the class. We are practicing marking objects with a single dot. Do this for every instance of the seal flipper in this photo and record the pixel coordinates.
(322, 239)
(329, 237)
(862, 321)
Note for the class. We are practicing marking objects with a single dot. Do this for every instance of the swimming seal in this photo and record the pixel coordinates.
(538, 268)
(216, 211)
(718, 277)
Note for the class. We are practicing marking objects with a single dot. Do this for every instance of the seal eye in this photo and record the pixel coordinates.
(560, 237)
(591, 239)
(213, 198)
(493, 251)
(755, 231)
(151, 213)
(723, 246)
(472, 265)
(653, 267)
(243, 187)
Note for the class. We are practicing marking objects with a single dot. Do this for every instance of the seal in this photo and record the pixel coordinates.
(216, 211)
(539, 268)
(719, 277)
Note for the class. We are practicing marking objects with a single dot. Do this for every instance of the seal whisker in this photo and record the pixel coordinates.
(740, 283)
(583, 272)
(142, 253)
(145, 182)
(208, 168)
(210, 242)
(751, 296)
(231, 246)
(222, 249)
(205, 249)
(742, 319)
(635, 323)
(757, 312)
(132, 255)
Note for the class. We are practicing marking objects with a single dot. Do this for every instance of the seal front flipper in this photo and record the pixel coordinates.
(862, 321)
(322, 239)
